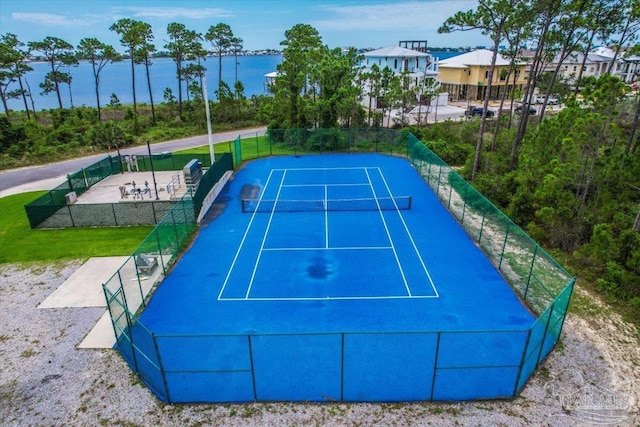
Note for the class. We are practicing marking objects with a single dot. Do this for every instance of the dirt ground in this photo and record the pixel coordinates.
(591, 378)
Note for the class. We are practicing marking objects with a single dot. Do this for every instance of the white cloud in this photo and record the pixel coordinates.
(50, 19)
(424, 16)
(178, 12)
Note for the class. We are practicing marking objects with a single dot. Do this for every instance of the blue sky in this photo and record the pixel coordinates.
(260, 23)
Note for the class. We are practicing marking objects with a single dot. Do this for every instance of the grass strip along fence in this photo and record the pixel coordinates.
(542, 284)
(51, 210)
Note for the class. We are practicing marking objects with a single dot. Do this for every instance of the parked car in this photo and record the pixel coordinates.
(532, 111)
(539, 99)
(477, 112)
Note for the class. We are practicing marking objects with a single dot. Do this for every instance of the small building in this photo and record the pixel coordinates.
(465, 76)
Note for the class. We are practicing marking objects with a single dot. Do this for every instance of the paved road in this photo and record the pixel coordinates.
(15, 177)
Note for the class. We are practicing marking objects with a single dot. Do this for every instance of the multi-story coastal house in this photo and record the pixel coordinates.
(465, 77)
(410, 58)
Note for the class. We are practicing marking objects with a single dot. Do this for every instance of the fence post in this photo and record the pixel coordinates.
(153, 209)
(544, 336)
(164, 268)
(435, 366)
(115, 218)
(161, 366)
(522, 359)
(73, 224)
(175, 231)
(533, 260)
(253, 371)
(342, 369)
(484, 215)
(504, 245)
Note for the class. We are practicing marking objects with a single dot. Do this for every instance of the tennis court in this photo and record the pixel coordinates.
(334, 277)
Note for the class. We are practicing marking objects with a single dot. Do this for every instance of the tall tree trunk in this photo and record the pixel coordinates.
(536, 67)
(619, 45)
(179, 73)
(70, 94)
(153, 109)
(503, 98)
(133, 86)
(4, 102)
(235, 52)
(634, 127)
(485, 106)
(33, 104)
(96, 81)
(24, 98)
(584, 61)
(219, 68)
(54, 74)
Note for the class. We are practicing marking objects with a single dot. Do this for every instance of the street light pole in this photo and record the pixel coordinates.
(153, 173)
(206, 107)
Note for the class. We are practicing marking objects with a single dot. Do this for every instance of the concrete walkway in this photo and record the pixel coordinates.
(84, 289)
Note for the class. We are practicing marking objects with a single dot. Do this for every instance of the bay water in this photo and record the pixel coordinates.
(115, 78)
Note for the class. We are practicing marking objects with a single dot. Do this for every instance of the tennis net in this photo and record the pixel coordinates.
(365, 204)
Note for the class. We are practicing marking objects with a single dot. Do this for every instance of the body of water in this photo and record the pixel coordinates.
(116, 78)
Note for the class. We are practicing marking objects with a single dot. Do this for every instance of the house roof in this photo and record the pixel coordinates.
(604, 51)
(395, 52)
(477, 57)
(577, 57)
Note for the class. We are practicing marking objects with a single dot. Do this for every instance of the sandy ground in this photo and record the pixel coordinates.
(590, 379)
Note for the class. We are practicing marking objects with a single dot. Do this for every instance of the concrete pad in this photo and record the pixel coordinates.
(84, 287)
(101, 335)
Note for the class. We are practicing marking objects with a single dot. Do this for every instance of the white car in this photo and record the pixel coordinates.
(539, 99)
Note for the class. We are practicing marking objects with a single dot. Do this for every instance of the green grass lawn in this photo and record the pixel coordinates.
(19, 243)
(251, 147)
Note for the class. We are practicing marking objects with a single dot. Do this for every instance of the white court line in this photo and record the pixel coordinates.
(415, 248)
(330, 298)
(264, 238)
(331, 185)
(244, 237)
(320, 169)
(342, 248)
(384, 222)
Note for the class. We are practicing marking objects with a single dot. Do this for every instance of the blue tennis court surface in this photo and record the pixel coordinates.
(328, 245)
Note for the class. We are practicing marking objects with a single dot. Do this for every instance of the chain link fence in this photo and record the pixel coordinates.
(54, 210)
(443, 365)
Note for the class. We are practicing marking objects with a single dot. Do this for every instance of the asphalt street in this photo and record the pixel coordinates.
(15, 177)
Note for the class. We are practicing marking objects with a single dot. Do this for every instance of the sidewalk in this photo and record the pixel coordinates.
(45, 184)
